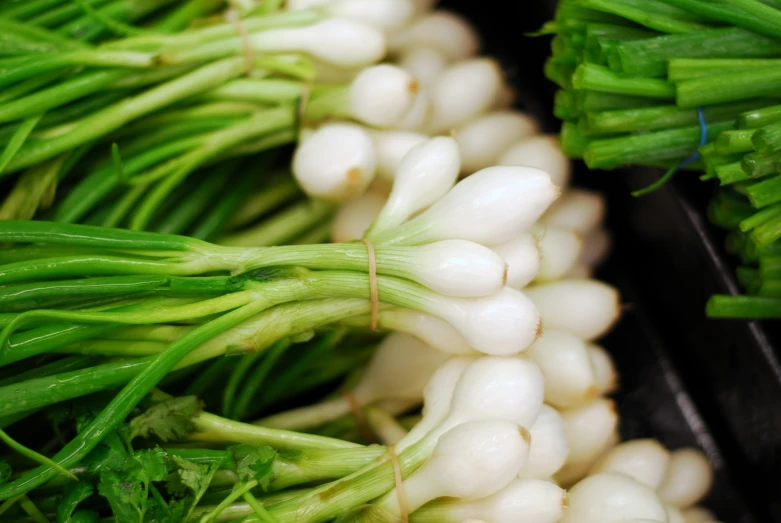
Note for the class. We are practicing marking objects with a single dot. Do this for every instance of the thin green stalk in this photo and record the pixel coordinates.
(688, 68)
(757, 165)
(766, 233)
(282, 226)
(743, 307)
(180, 17)
(764, 193)
(259, 124)
(760, 117)
(234, 381)
(728, 87)
(17, 140)
(32, 510)
(34, 65)
(737, 141)
(113, 117)
(649, 57)
(760, 217)
(671, 144)
(214, 222)
(602, 79)
(255, 381)
(663, 117)
(58, 95)
(179, 219)
(730, 15)
(644, 17)
(99, 184)
(280, 190)
(767, 139)
(34, 456)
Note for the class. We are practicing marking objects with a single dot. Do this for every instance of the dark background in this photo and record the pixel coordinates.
(685, 380)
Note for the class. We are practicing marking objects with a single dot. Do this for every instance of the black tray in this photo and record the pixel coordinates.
(685, 380)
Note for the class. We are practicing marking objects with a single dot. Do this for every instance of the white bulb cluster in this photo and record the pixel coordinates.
(526, 379)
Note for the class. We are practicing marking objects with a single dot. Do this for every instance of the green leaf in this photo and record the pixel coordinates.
(74, 494)
(254, 463)
(154, 463)
(127, 487)
(173, 513)
(188, 476)
(5, 471)
(169, 420)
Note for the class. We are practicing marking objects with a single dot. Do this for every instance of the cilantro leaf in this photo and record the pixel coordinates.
(126, 487)
(5, 471)
(173, 513)
(74, 494)
(188, 476)
(254, 463)
(169, 420)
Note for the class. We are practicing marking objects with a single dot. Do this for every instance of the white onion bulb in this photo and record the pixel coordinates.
(337, 41)
(522, 256)
(354, 217)
(570, 381)
(426, 173)
(391, 147)
(471, 461)
(447, 32)
(689, 477)
(429, 329)
(483, 139)
(400, 369)
(424, 63)
(604, 369)
(579, 210)
(381, 95)
(503, 324)
(457, 268)
(336, 162)
(522, 501)
(542, 152)
(613, 498)
(549, 447)
(587, 308)
(494, 387)
(437, 395)
(591, 430)
(490, 207)
(464, 91)
(560, 250)
(644, 460)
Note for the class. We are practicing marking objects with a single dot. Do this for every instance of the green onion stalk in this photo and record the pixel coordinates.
(111, 110)
(693, 87)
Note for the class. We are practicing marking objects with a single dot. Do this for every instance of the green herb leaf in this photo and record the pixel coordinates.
(173, 513)
(127, 487)
(169, 420)
(74, 494)
(254, 463)
(188, 476)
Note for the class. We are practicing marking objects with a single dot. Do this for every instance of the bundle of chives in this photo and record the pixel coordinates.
(633, 84)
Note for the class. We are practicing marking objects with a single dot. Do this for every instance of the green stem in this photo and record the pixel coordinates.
(282, 226)
(737, 141)
(256, 380)
(743, 307)
(115, 116)
(602, 79)
(611, 153)
(34, 456)
(728, 87)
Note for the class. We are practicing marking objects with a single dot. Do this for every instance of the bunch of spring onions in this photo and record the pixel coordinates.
(149, 377)
(683, 84)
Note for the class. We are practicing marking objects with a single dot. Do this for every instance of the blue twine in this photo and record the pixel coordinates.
(686, 161)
